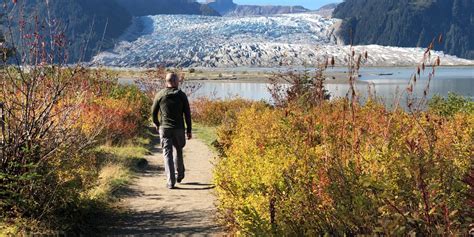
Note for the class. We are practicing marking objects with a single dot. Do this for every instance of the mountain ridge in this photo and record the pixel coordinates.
(158, 7)
(409, 23)
(326, 10)
(229, 8)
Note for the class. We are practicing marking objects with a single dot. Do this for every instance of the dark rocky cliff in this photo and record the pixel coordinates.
(222, 6)
(94, 25)
(409, 23)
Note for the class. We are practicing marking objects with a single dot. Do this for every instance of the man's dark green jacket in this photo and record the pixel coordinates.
(171, 104)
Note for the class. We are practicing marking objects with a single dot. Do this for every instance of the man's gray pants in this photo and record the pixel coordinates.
(173, 138)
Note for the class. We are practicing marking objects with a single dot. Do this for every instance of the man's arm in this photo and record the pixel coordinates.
(154, 111)
(187, 117)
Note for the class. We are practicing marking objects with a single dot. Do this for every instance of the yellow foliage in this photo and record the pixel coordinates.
(341, 170)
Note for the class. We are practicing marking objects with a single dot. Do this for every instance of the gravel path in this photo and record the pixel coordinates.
(154, 210)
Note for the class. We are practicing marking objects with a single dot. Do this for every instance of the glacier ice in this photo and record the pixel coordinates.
(259, 41)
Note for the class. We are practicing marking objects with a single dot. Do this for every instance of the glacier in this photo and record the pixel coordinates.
(260, 41)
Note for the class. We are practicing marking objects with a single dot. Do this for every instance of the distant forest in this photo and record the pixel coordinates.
(93, 25)
(409, 23)
(89, 25)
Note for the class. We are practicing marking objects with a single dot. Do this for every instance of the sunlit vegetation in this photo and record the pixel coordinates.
(309, 166)
(212, 112)
(304, 165)
(56, 119)
(51, 167)
(324, 170)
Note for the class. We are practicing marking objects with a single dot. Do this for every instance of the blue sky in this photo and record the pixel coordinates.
(310, 4)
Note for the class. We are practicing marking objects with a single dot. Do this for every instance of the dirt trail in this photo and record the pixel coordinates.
(155, 210)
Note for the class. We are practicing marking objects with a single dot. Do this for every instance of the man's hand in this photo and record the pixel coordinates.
(189, 135)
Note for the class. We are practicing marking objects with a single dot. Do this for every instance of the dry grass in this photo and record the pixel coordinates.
(118, 166)
(111, 178)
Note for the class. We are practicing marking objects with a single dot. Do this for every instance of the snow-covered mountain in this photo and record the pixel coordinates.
(282, 40)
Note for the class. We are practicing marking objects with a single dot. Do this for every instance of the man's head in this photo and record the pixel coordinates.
(172, 80)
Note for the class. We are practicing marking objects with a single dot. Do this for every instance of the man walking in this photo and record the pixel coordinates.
(171, 104)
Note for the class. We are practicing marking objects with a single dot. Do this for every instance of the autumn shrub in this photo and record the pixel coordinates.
(221, 114)
(43, 153)
(290, 171)
(53, 116)
(119, 114)
(213, 112)
(305, 89)
(451, 106)
(52, 120)
(311, 167)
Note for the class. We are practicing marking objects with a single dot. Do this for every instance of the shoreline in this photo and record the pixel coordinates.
(331, 78)
(336, 75)
(261, 69)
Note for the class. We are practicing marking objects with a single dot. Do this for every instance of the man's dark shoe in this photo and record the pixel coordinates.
(170, 186)
(179, 179)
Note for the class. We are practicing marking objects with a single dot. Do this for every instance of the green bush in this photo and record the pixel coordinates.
(451, 105)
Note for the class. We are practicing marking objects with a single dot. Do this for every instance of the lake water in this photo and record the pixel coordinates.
(386, 82)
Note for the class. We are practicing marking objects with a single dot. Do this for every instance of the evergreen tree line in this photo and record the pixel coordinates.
(89, 26)
(409, 23)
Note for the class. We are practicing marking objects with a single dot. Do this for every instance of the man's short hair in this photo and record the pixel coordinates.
(172, 78)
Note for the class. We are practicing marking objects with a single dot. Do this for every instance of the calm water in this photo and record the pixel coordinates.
(386, 82)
